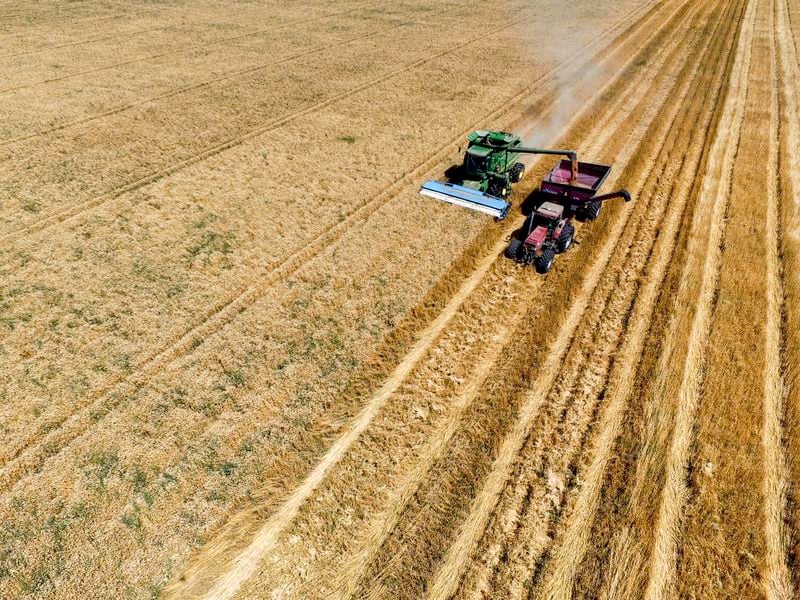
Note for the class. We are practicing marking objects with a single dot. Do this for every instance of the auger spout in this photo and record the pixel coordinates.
(571, 155)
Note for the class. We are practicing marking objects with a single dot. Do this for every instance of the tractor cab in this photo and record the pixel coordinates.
(549, 211)
(545, 218)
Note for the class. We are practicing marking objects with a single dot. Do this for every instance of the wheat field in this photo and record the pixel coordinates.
(242, 357)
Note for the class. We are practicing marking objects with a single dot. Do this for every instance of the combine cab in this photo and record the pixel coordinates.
(491, 163)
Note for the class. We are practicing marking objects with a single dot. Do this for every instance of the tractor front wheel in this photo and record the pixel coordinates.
(544, 262)
(513, 249)
(566, 237)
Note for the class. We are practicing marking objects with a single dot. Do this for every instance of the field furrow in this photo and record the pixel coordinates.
(777, 576)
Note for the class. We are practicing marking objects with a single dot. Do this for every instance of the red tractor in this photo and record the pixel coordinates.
(568, 192)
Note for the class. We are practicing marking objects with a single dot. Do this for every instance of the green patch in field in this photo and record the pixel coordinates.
(228, 468)
(132, 520)
(30, 206)
(99, 466)
(235, 377)
(176, 290)
(208, 244)
(347, 139)
(204, 221)
(138, 479)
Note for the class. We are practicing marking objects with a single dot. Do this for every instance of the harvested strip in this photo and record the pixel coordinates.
(716, 186)
(560, 575)
(777, 581)
(786, 31)
(541, 480)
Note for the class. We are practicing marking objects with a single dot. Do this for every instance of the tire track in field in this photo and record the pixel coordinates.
(29, 457)
(179, 51)
(227, 76)
(462, 549)
(84, 42)
(267, 536)
(384, 524)
(788, 224)
(716, 185)
(625, 363)
(522, 518)
(77, 21)
(73, 211)
(790, 78)
(790, 18)
(777, 580)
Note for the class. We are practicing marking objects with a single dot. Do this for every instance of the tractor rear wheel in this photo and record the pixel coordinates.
(566, 237)
(517, 172)
(544, 262)
(513, 249)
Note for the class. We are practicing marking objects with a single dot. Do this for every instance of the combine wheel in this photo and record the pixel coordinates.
(565, 239)
(496, 189)
(517, 172)
(544, 262)
(513, 249)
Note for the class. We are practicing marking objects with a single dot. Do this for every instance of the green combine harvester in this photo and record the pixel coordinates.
(491, 165)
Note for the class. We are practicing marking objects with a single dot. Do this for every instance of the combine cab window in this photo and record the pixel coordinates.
(475, 164)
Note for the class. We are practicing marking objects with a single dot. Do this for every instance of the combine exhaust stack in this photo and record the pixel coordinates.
(466, 197)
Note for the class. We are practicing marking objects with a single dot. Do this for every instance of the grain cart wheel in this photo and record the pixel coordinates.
(565, 239)
(513, 249)
(544, 262)
(593, 211)
(517, 172)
